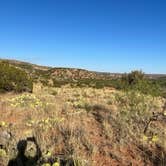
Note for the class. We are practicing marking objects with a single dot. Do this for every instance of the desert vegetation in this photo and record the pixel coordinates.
(81, 122)
(13, 79)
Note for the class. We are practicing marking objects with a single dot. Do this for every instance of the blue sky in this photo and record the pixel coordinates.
(101, 35)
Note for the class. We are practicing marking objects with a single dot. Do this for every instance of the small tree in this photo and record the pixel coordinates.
(136, 80)
(135, 77)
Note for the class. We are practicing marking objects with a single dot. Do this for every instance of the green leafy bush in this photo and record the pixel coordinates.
(14, 79)
(136, 80)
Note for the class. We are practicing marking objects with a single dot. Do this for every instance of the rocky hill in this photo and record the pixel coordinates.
(68, 73)
(60, 72)
(74, 73)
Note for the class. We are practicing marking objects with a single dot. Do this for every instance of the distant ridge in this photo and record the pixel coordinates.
(69, 73)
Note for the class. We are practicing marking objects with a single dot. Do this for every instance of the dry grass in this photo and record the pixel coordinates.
(92, 126)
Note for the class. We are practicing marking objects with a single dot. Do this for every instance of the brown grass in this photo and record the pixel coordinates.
(86, 124)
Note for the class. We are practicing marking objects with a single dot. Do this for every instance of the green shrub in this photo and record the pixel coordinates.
(136, 80)
(59, 83)
(14, 79)
(162, 83)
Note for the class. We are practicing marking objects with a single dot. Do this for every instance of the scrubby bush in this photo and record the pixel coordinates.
(14, 79)
(59, 83)
(136, 80)
(162, 83)
(134, 112)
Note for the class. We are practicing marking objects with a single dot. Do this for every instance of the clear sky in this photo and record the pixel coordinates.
(101, 35)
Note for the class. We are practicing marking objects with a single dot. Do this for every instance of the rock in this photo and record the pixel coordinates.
(5, 137)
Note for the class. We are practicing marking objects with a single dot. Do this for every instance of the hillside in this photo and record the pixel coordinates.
(25, 65)
(75, 117)
(69, 73)
(60, 72)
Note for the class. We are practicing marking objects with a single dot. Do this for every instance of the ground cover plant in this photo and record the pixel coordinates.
(85, 122)
(85, 126)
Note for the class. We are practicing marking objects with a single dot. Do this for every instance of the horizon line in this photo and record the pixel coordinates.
(72, 67)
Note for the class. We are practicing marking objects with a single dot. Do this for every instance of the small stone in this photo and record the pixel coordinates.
(5, 137)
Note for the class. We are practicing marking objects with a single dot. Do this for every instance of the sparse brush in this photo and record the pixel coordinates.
(87, 126)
